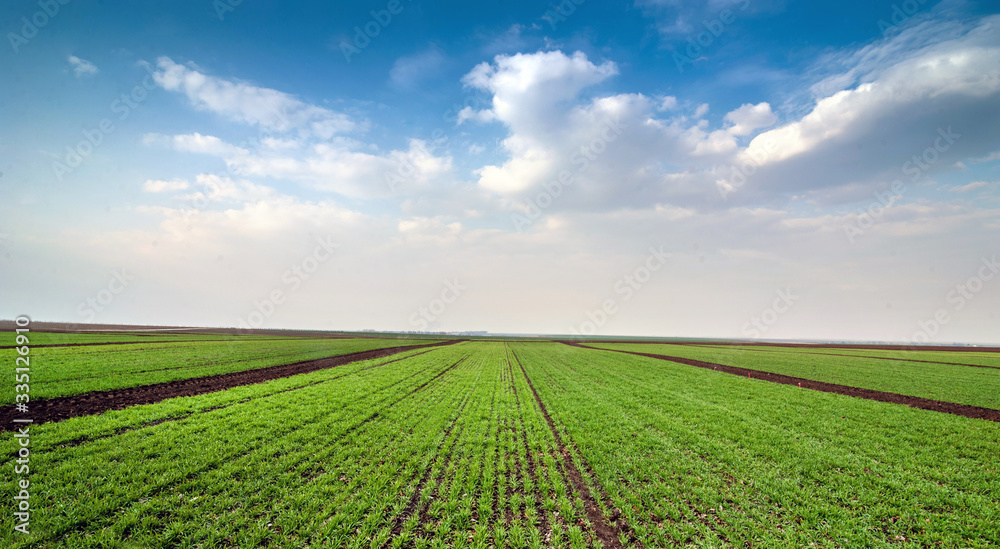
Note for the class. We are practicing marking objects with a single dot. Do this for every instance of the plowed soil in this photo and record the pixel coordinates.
(97, 402)
(958, 348)
(965, 410)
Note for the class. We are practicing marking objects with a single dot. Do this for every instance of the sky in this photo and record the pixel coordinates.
(731, 169)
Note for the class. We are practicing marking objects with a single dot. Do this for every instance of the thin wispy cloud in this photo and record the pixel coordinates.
(82, 67)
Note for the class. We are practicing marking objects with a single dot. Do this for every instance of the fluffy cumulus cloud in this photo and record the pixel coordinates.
(614, 150)
(875, 109)
(939, 95)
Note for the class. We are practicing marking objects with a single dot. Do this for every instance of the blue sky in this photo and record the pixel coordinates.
(812, 170)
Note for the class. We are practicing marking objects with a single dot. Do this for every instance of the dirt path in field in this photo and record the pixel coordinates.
(965, 410)
(97, 402)
(962, 348)
(607, 531)
(864, 356)
(167, 341)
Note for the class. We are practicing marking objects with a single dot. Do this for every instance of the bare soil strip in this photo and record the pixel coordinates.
(97, 402)
(868, 356)
(607, 532)
(164, 342)
(961, 348)
(964, 410)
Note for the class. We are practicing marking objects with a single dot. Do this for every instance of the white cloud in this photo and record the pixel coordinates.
(668, 103)
(749, 117)
(850, 141)
(524, 82)
(975, 185)
(617, 148)
(216, 188)
(163, 186)
(336, 166)
(266, 108)
(995, 155)
(195, 143)
(949, 73)
(482, 116)
(82, 67)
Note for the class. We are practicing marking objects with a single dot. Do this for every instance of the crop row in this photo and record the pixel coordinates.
(445, 448)
(697, 458)
(230, 466)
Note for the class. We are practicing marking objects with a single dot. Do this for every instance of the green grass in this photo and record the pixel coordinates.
(450, 449)
(326, 459)
(700, 458)
(63, 371)
(960, 384)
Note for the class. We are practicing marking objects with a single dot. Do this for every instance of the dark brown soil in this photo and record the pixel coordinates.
(883, 358)
(145, 330)
(962, 348)
(97, 402)
(160, 341)
(607, 531)
(965, 410)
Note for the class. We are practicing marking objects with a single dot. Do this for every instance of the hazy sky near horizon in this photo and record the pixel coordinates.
(748, 168)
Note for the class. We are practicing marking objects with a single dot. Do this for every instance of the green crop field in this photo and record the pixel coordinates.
(504, 444)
